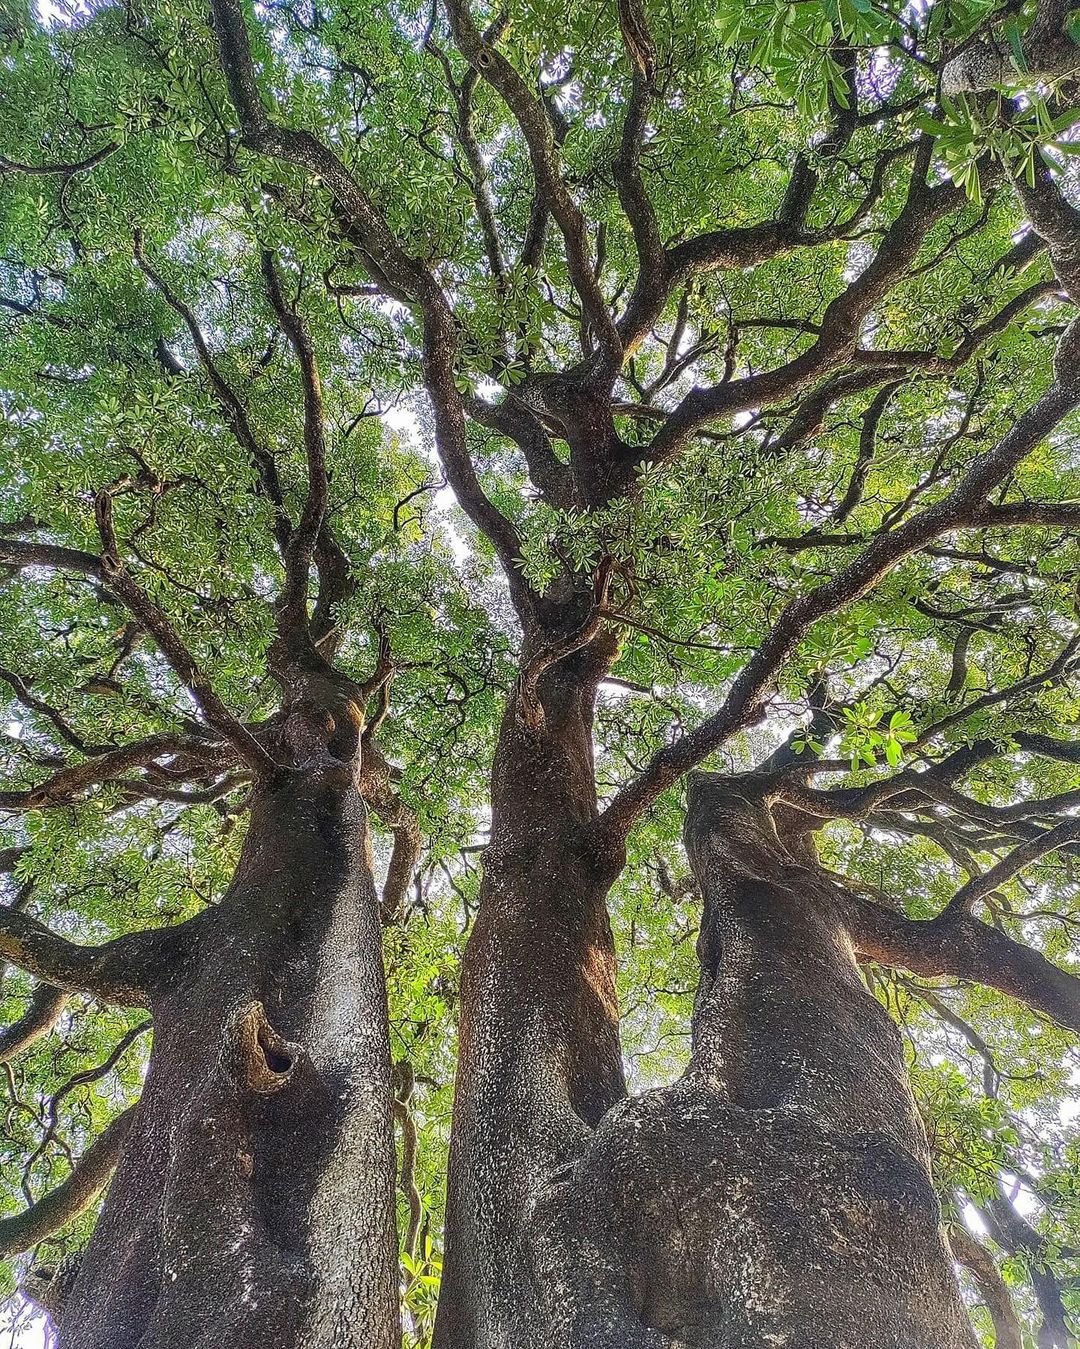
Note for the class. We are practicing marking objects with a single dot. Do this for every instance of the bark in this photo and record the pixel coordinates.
(777, 1194)
(117, 971)
(538, 1059)
(254, 1200)
(1047, 52)
(959, 945)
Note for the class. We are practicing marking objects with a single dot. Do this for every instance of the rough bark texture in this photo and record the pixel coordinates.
(539, 1061)
(778, 1194)
(253, 1204)
(1047, 52)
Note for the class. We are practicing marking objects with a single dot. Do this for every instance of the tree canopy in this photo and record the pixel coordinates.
(744, 333)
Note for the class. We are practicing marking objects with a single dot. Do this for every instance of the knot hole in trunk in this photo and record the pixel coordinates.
(262, 1060)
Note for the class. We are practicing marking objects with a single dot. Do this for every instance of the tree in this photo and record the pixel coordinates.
(744, 340)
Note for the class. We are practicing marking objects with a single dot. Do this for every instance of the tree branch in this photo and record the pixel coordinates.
(744, 704)
(840, 326)
(871, 420)
(957, 945)
(1013, 1233)
(543, 153)
(64, 169)
(110, 570)
(1049, 54)
(1043, 514)
(22, 553)
(1055, 220)
(292, 604)
(377, 789)
(232, 409)
(120, 971)
(403, 1083)
(23, 693)
(969, 895)
(172, 646)
(46, 1004)
(652, 283)
(68, 783)
(480, 180)
(993, 1289)
(72, 1196)
(399, 275)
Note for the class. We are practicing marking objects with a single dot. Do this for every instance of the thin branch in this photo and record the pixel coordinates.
(25, 695)
(399, 275)
(840, 328)
(72, 1196)
(70, 782)
(981, 886)
(110, 570)
(61, 170)
(745, 702)
(292, 605)
(232, 408)
(993, 1289)
(479, 180)
(1062, 664)
(535, 125)
(867, 447)
(184, 665)
(990, 1074)
(404, 1082)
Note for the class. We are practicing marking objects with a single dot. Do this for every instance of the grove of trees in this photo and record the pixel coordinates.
(540, 673)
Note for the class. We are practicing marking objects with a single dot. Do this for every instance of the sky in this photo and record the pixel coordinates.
(20, 1328)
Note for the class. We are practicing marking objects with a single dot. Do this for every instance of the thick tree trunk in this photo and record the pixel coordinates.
(254, 1202)
(539, 1061)
(778, 1194)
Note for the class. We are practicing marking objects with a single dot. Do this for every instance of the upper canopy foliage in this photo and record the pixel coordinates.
(741, 329)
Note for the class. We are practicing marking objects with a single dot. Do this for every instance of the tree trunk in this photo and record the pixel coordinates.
(1013, 1233)
(254, 1201)
(777, 1195)
(538, 1060)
